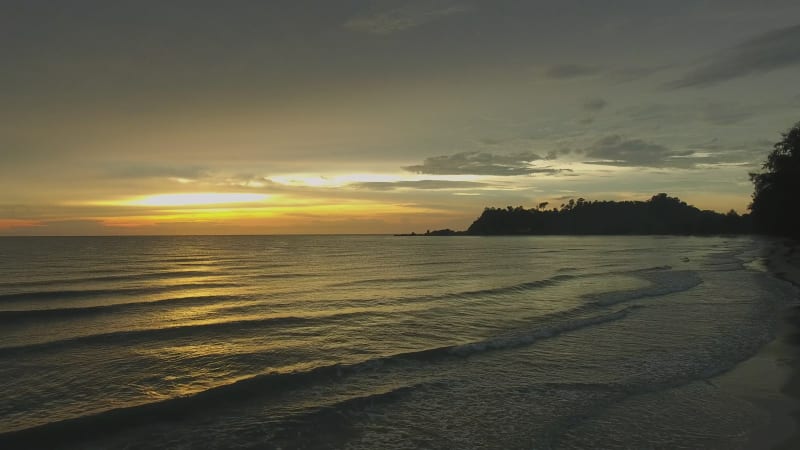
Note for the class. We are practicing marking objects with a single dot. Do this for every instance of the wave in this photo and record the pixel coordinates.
(647, 269)
(20, 316)
(429, 263)
(521, 287)
(176, 274)
(547, 282)
(89, 293)
(663, 283)
(335, 417)
(460, 295)
(268, 276)
(522, 339)
(385, 280)
(241, 391)
(130, 337)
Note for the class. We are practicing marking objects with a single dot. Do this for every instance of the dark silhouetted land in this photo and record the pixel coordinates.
(777, 188)
(661, 214)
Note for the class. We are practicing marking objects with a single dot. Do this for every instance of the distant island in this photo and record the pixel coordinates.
(661, 214)
(773, 210)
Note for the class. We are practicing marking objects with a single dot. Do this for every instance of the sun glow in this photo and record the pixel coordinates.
(17, 223)
(294, 217)
(195, 199)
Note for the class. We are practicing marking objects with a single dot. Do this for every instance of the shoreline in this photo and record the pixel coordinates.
(770, 379)
(786, 266)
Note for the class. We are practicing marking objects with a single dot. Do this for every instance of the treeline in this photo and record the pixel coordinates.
(777, 189)
(659, 215)
(774, 210)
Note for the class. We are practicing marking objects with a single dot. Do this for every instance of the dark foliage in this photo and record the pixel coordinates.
(777, 189)
(659, 215)
(444, 232)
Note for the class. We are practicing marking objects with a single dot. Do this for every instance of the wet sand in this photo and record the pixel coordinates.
(770, 380)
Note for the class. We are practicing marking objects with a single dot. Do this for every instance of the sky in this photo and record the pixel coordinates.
(383, 116)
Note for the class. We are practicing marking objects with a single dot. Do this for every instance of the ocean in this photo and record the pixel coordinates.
(368, 342)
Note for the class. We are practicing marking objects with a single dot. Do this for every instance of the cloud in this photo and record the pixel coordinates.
(567, 71)
(247, 180)
(77, 227)
(764, 53)
(480, 163)
(627, 74)
(420, 184)
(714, 113)
(748, 153)
(490, 141)
(555, 154)
(157, 171)
(594, 104)
(725, 114)
(404, 17)
(656, 112)
(618, 151)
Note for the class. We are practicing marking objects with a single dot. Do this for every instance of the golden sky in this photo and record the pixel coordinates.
(379, 116)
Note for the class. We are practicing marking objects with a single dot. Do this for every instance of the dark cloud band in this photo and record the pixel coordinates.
(481, 163)
(770, 51)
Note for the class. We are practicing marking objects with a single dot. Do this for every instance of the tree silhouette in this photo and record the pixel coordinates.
(661, 214)
(775, 208)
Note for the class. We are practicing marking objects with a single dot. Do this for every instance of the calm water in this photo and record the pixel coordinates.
(379, 341)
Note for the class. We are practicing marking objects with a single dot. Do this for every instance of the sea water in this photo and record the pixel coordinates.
(379, 341)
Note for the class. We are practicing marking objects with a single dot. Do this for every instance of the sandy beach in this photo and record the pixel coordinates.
(787, 267)
(770, 380)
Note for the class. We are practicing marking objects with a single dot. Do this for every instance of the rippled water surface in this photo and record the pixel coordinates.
(378, 341)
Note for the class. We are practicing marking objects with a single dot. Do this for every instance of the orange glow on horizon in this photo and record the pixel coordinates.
(268, 215)
(194, 199)
(7, 224)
